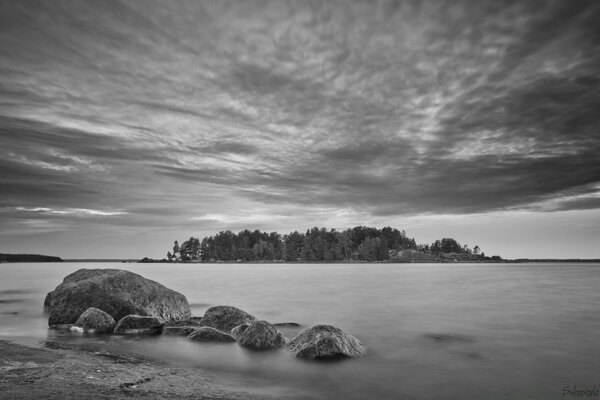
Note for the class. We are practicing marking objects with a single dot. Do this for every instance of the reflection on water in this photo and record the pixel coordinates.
(434, 331)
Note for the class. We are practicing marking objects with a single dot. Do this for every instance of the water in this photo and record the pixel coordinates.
(451, 331)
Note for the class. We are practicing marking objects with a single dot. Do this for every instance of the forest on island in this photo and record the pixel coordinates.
(358, 244)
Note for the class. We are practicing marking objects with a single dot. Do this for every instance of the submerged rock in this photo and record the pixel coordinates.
(449, 338)
(119, 293)
(261, 335)
(208, 334)
(225, 318)
(322, 342)
(94, 320)
(139, 325)
(179, 330)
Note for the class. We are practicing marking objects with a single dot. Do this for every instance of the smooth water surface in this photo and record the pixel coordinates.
(451, 331)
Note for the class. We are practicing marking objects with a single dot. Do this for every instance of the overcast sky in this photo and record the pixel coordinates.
(125, 125)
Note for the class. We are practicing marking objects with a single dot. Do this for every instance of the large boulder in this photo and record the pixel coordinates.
(94, 320)
(261, 335)
(225, 318)
(323, 342)
(119, 293)
(138, 325)
(208, 334)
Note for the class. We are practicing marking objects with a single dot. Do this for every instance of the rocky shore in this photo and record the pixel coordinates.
(61, 370)
(115, 302)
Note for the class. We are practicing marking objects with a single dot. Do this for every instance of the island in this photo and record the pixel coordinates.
(360, 244)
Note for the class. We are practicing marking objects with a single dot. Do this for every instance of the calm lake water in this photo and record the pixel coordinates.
(434, 331)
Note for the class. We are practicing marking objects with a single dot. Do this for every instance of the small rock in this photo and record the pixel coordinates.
(208, 334)
(137, 324)
(225, 318)
(261, 335)
(287, 325)
(94, 320)
(323, 342)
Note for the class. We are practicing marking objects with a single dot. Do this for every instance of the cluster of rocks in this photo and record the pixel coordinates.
(124, 303)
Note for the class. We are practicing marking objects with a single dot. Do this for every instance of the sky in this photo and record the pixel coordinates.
(126, 125)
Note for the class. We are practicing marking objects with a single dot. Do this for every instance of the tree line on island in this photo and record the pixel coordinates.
(4, 257)
(358, 244)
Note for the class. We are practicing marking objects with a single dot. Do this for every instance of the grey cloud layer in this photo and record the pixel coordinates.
(386, 107)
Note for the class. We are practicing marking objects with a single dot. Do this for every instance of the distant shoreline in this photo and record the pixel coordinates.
(5, 257)
(152, 261)
(515, 261)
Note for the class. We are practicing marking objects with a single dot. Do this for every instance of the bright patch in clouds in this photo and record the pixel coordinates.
(71, 211)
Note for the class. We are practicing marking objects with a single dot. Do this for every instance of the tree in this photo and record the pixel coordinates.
(446, 245)
(316, 245)
(476, 249)
(176, 250)
(190, 249)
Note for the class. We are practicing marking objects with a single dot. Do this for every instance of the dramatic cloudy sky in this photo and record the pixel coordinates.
(125, 125)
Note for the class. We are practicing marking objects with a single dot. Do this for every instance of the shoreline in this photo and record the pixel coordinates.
(50, 369)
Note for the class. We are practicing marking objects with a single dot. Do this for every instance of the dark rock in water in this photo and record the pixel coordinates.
(261, 335)
(183, 322)
(47, 301)
(118, 293)
(208, 334)
(179, 330)
(287, 325)
(225, 318)
(139, 325)
(94, 320)
(326, 342)
(238, 330)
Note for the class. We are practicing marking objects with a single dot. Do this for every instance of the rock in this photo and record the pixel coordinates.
(118, 293)
(287, 325)
(138, 325)
(322, 342)
(94, 320)
(261, 335)
(47, 302)
(238, 330)
(208, 334)
(225, 318)
(179, 330)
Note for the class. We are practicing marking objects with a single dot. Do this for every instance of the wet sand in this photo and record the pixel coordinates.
(58, 370)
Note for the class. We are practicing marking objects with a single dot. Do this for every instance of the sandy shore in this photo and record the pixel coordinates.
(58, 370)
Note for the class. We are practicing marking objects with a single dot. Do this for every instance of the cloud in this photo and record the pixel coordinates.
(174, 110)
(72, 211)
